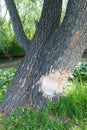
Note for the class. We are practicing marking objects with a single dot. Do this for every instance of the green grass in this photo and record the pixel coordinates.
(70, 113)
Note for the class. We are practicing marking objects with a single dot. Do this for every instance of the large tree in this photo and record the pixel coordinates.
(50, 57)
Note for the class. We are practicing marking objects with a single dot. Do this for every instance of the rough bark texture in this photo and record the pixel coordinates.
(52, 56)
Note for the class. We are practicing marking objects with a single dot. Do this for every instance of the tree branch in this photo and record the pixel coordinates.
(50, 18)
(17, 25)
(51, 14)
(74, 21)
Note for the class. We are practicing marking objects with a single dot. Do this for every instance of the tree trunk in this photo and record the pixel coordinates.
(51, 58)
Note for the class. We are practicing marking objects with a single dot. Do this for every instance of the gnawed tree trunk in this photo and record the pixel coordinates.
(52, 55)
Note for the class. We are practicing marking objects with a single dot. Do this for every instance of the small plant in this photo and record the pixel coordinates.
(6, 76)
(80, 72)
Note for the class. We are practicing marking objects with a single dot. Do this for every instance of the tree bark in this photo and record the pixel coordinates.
(51, 58)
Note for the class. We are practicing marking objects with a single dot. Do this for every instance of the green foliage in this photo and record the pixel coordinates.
(6, 76)
(29, 11)
(73, 103)
(32, 120)
(80, 72)
(16, 50)
(6, 34)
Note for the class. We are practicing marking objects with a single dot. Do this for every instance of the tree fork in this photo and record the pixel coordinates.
(50, 18)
